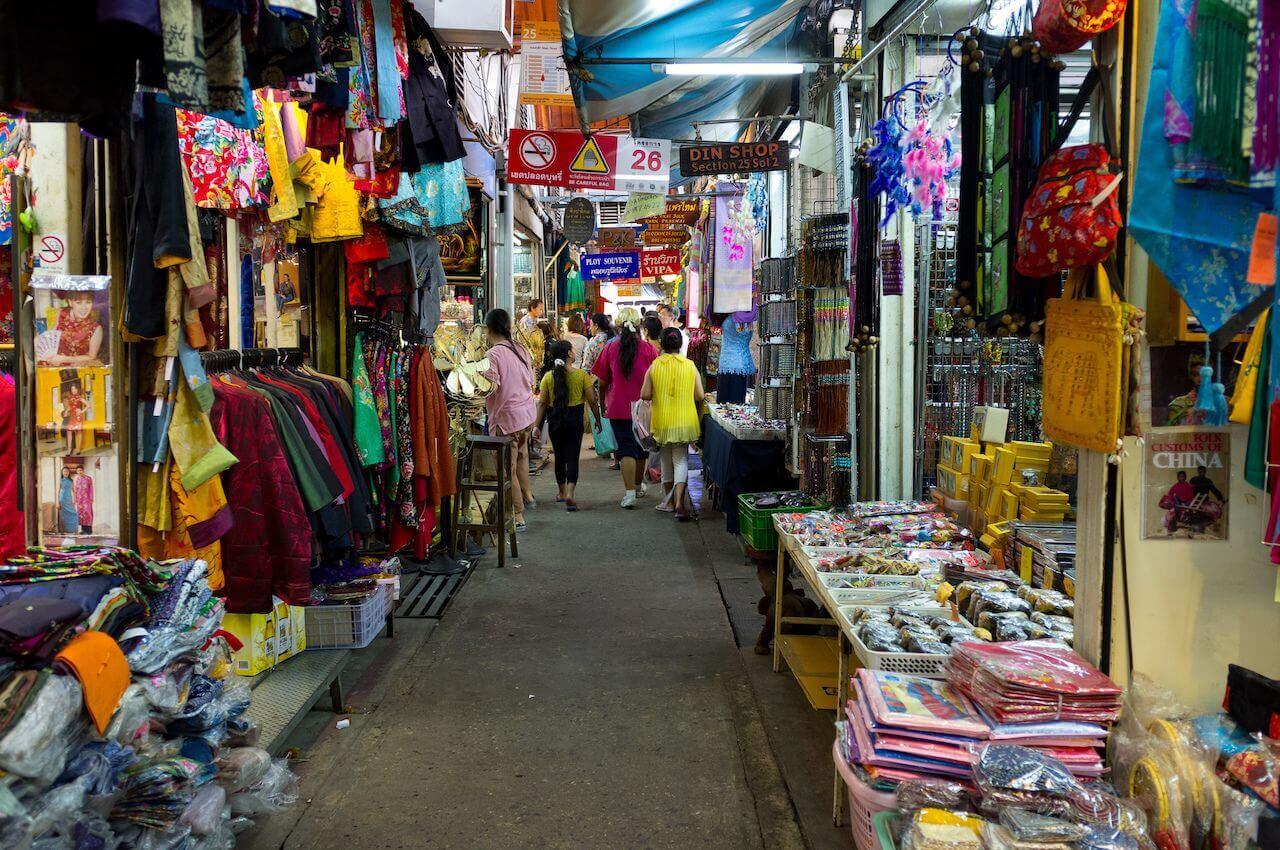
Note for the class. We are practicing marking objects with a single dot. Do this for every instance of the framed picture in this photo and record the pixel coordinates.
(462, 248)
(1186, 482)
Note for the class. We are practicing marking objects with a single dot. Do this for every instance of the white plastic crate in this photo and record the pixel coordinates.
(911, 663)
(880, 596)
(347, 626)
(834, 580)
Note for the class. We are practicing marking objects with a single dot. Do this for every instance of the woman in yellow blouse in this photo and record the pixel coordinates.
(674, 387)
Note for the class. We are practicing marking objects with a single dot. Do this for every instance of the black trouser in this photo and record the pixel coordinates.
(566, 442)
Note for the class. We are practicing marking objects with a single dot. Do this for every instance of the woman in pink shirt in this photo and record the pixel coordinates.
(511, 406)
(621, 368)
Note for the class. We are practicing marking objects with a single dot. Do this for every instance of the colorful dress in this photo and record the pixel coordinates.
(75, 334)
(82, 489)
(228, 166)
(68, 519)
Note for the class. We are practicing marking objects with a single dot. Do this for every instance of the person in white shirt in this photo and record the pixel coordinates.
(530, 319)
(667, 315)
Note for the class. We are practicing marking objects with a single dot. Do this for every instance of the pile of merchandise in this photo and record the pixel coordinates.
(969, 764)
(744, 422)
(922, 528)
(1007, 611)
(121, 721)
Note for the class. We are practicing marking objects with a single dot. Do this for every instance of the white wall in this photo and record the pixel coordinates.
(1198, 605)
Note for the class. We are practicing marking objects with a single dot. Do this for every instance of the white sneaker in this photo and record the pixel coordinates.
(642, 491)
(628, 500)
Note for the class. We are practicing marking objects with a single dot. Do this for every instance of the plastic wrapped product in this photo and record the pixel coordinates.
(902, 618)
(242, 767)
(38, 744)
(997, 837)
(998, 602)
(1020, 777)
(880, 637)
(15, 832)
(929, 646)
(206, 811)
(274, 792)
(956, 633)
(940, 829)
(916, 794)
(132, 718)
(1029, 826)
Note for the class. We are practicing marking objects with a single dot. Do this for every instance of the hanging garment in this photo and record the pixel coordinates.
(1199, 236)
(368, 432)
(433, 122)
(268, 549)
(735, 348)
(158, 235)
(13, 535)
(228, 166)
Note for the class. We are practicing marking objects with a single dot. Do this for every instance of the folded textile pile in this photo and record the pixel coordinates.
(1033, 680)
(121, 723)
(904, 727)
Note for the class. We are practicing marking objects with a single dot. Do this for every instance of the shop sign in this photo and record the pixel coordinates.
(674, 236)
(615, 265)
(628, 290)
(660, 262)
(682, 213)
(734, 158)
(616, 237)
(570, 160)
(579, 220)
(643, 205)
(544, 80)
(1186, 483)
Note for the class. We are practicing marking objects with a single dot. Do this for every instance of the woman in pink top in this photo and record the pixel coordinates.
(621, 368)
(511, 406)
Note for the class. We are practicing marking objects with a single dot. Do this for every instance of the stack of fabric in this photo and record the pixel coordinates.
(902, 727)
(121, 723)
(1032, 681)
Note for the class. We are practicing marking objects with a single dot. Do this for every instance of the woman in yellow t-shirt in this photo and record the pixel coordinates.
(675, 388)
(561, 394)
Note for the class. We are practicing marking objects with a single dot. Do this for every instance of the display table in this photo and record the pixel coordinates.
(740, 466)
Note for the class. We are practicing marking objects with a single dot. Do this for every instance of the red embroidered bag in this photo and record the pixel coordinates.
(1072, 216)
(1062, 26)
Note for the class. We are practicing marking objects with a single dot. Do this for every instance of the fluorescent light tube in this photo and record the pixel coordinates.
(730, 69)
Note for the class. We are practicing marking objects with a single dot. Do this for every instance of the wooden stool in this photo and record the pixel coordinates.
(470, 486)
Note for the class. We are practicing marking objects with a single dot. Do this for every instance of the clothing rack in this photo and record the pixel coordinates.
(250, 358)
(389, 331)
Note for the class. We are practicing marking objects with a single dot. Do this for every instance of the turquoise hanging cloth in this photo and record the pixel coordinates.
(388, 74)
(1199, 236)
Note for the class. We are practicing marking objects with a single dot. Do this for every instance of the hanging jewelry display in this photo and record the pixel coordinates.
(826, 468)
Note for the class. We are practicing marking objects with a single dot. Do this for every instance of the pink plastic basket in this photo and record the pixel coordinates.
(864, 803)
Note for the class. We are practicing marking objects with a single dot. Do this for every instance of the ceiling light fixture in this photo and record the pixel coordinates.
(729, 69)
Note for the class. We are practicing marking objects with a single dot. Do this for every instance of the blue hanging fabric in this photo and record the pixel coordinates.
(1199, 237)
(384, 48)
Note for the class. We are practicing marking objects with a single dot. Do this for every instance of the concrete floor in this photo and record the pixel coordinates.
(599, 692)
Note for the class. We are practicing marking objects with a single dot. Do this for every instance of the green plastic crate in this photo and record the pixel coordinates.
(884, 828)
(756, 524)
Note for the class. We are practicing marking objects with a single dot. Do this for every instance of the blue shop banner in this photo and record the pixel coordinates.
(617, 265)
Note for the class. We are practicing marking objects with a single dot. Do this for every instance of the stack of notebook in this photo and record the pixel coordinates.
(907, 727)
(1033, 680)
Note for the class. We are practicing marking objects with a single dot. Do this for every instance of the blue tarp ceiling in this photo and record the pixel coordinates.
(665, 107)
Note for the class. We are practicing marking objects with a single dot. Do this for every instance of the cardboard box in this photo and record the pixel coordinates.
(953, 483)
(990, 424)
(1009, 505)
(1003, 466)
(268, 638)
(980, 466)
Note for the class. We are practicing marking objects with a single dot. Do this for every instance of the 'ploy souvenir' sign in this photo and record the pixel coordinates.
(616, 265)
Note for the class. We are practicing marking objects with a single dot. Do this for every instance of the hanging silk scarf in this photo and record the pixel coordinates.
(390, 90)
(1198, 236)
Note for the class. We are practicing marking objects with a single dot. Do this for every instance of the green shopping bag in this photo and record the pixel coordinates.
(605, 442)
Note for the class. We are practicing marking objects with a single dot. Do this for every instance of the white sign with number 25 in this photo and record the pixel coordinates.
(644, 165)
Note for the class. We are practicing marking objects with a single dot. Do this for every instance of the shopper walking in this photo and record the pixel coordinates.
(621, 369)
(577, 338)
(603, 333)
(511, 408)
(561, 397)
(653, 333)
(675, 388)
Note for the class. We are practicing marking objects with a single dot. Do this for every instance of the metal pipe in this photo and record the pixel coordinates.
(709, 60)
(745, 120)
(907, 20)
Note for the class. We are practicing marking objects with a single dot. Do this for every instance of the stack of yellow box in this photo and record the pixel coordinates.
(1042, 504)
(953, 466)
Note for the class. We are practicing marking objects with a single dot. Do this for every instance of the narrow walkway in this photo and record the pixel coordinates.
(593, 697)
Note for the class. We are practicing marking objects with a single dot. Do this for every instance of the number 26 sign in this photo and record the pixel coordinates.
(644, 165)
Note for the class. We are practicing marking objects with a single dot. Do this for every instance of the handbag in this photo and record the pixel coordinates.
(1087, 345)
(604, 441)
(1062, 26)
(1071, 219)
(642, 425)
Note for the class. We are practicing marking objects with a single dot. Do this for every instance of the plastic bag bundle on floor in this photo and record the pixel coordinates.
(138, 737)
